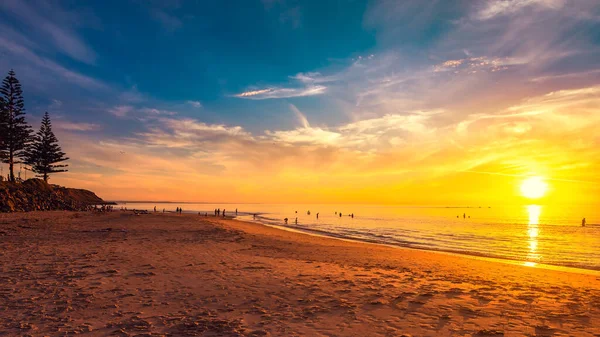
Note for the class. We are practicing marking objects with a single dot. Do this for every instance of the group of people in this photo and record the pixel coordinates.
(178, 210)
(464, 216)
(103, 208)
(285, 220)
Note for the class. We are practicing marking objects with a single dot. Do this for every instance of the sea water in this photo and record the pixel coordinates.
(530, 234)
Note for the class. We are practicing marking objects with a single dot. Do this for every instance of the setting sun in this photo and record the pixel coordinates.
(533, 187)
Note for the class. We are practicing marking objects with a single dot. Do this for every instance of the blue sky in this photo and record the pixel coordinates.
(226, 86)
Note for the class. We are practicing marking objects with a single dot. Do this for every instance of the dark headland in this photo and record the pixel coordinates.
(37, 195)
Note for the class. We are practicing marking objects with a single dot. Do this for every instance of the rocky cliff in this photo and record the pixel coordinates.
(37, 195)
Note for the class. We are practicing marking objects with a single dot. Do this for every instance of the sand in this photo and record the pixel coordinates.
(64, 273)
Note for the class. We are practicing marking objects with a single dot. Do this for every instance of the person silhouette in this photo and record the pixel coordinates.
(285, 220)
(583, 222)
(317, 215)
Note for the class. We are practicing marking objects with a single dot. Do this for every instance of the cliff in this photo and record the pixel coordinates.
(37, 195)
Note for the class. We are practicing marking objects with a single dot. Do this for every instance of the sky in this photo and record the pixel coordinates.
(281, 101)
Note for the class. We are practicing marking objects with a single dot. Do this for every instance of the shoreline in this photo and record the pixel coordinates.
(324, 234)
(116, 273)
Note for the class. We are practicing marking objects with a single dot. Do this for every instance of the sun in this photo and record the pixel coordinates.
(534, 187)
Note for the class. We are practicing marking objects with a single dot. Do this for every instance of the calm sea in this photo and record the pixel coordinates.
(532, 234)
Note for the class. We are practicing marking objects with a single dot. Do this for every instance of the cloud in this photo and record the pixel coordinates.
(121, 111)
(169, 22)
(132, 95)
(495, 8)
(156, 112)
(271, 93)
(56, 104)
(301, 117)
(72, 126)
(474, 64)
(41, 16)
(23, 53)
(195, 104)
(128, 111)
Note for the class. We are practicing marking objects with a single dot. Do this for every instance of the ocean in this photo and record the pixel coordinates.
(533, 235)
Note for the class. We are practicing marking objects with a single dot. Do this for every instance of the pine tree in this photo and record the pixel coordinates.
(44, 153)
(16, 132)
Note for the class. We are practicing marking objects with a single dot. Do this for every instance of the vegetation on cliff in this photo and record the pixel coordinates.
(38, 195)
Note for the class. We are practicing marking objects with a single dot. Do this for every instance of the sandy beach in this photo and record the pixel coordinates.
(118, 274)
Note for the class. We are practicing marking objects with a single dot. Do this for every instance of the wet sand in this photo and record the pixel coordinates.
(64, 273)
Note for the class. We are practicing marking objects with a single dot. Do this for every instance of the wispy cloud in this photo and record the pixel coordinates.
(63, 38)
(493, 8)
(72, 126)
(195, 104)
(121, 111)
(169, 22)
(270, 93)
(128, 111)
(23, 53)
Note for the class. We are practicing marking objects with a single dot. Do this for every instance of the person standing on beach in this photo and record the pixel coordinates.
(285, 220)
(154, 209)
(296, 221)
(236, 211)
(583, 222)
(223, 212)
(317, 215)
(340, 214)
(464, 215)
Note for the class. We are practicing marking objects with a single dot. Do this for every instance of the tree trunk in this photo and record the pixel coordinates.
(11, 175)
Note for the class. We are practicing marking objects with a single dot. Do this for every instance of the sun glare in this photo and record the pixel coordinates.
(533, 187)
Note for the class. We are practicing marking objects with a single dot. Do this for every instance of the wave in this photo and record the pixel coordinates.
(430, 243)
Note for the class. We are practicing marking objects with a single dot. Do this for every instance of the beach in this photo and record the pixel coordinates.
(120, 274)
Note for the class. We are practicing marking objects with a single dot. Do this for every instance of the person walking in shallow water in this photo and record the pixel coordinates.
(583, 222)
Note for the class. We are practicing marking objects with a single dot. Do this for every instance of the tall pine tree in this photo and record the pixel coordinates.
(16, 132)
(44, 154)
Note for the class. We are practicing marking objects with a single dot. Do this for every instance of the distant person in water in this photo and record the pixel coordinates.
(352, 215)
(163, 210)
(223, 212)
(236, 211)
(285, 220)
(464, 215)
(583, 222)
(317, 215)
(296, 221)
(308, 213)
(340, 214)
(254, 216)
(154, 209)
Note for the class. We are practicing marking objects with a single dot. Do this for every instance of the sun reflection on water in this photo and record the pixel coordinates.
(533, 231)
